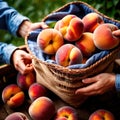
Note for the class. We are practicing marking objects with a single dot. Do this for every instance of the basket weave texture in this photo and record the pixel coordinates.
(64, 81)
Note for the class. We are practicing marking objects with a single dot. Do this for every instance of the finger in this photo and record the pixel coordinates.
(86, 90)
(116, 33)
(38, 25)
(89, 80)
(24, 68)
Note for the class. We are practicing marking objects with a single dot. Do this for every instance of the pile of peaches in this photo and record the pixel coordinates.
(41, 106)
(73, 40)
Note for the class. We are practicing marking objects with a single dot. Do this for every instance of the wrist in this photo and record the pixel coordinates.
(24, 28)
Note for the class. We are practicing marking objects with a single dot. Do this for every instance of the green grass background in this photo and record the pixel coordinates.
(37, 9)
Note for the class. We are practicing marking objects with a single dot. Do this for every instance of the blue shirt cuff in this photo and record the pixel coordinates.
(15, 23)
(117, 82)
(8, 51)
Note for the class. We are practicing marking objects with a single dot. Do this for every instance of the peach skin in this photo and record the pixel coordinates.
(68, 54)
(17, 116)
(42, 108)
(24, 81)
(66, 113)
(103, 37)
(71, 27)
(49, 40)
(86, 44)
(13, 96)
(101, 114)
(91, 21)
(62, 118)
(36, 90)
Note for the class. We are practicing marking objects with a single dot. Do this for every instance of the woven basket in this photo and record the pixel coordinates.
(64, 81)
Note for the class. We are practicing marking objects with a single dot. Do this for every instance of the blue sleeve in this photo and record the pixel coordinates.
(10, 19)
(117, 82)
(6, 51)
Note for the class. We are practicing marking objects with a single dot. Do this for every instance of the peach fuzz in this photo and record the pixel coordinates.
(101, 114)
(13, 96)
(103, 37)
(66, 113)
(68, 54)
(49, 40)
(42, 108)
(71, 27)
(36, 90)
(86, 44)
(91, 21)
(24, 81)
(17, 116)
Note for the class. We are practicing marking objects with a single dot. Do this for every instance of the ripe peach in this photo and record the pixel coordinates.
(24, 81)
(67, 112)
(62, 118)
(36, 90)
(49, 40)
(103, 37)
(13, 96)
(71, 27)
(101, 114)
(42, 108)
(16, 116)
(68, 54)
(86, 44)
(91, 21)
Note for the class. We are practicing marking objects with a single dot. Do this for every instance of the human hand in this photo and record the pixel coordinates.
(116, 33)
(22, 61)
(98, 84)
(27, 26)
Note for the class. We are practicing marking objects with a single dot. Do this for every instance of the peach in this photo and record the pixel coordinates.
(42, 108)
(71, 27)
(17, 116)
(103, 37)
(67, 112)
(68, 54)
(101, 114)
(86, 44)
(13, 96)
(91, 21)
(24, 81)
(36, 90)
(49, 40)
(62, 118)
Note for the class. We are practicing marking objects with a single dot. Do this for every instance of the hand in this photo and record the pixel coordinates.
(98, 84)
(27, 26)
(116, 33)
(22, 61)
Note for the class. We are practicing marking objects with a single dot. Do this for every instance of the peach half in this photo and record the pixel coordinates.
(42, 108)
(68, 54)
(86, 44)
(66, 113)
(71, 27)
(101, 114)
(103, 37)
(91, 21)
(13, 96)
(49, 40)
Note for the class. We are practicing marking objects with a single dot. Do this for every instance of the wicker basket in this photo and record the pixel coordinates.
(64, 81)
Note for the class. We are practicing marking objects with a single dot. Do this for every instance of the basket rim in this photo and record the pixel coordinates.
(81, 2)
